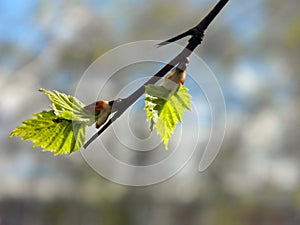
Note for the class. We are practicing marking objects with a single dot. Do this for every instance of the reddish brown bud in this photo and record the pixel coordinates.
(97, 106)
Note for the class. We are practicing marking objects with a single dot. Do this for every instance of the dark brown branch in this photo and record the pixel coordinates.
(201, 27)
(197, 33)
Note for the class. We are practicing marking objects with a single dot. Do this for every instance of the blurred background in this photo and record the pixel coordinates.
(252, 47)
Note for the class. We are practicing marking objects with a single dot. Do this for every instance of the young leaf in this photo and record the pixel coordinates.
(60, 130)
(69, 108)
(164, 109)
(52, 133)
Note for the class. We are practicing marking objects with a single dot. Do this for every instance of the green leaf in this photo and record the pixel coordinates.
(60, 130)
(52, 133)
(164, 109)
(69, 108)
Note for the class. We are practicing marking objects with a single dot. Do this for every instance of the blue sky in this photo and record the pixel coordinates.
(19, 19)
(18, 25)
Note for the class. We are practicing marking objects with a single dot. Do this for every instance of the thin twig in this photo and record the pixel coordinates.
(197, 33)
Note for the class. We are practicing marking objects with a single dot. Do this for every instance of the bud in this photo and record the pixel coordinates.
(102, 109)
(176, 77)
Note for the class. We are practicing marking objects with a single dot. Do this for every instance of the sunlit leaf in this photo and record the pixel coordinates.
(164, 109)
(60, 130)
(68, 107)
(52, 133)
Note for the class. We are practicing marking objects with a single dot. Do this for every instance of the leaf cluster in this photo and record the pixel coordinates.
(61, 129)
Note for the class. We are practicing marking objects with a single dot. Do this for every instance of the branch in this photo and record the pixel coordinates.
(197, 33)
